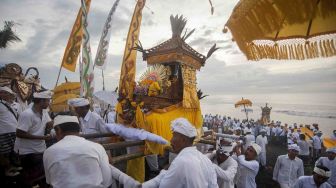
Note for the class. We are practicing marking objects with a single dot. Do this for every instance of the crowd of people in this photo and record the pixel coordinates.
(72, 161)
(288, 170)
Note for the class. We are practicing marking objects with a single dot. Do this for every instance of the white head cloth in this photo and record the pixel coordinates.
(65, 119)
(225, 150)
(322, 172)
(332, 150)
(7, 89)
(247, 130)
(263, 131)
(78, 102)
(294, 147)
(183, 126)
(43, 95)
(256, 148)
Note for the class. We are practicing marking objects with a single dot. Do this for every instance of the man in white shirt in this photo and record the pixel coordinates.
(225, 166)
(190, 168)
(288, 168)
(317, 145)
(329, 162)
(90, 122)
(262, 142)
(248, 166)
(73, 161)
(249, 138)
(317, 180)
(30, 138)
(8, 124)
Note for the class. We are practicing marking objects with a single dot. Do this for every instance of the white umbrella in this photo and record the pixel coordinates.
(106, 97)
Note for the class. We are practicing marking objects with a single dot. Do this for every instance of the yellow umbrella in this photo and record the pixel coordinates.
(284, 29)
(66, 88)
(244, 102)
(60, 103)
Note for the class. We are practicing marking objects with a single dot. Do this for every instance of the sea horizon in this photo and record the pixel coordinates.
(300, 108)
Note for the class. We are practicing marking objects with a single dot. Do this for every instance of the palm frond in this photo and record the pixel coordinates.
(188, 35)
(155, 73)
(211, 51)
(7, 35)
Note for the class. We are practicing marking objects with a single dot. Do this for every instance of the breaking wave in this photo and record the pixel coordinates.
(307, 114)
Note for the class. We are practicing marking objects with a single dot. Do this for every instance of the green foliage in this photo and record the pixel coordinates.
(7, 35)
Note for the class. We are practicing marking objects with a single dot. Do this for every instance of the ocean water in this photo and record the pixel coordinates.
(290, 108)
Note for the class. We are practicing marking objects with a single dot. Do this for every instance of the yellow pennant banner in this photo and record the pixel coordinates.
(74, 43)
(127, 75)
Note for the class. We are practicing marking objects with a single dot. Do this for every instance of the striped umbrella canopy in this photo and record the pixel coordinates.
(284, 29)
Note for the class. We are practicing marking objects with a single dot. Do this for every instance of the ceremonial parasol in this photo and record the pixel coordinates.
(106, 97)
(66, 88)
(245, 103)
(284, 29)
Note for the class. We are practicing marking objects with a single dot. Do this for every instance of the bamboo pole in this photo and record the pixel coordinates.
(125, 144)
(126, 157)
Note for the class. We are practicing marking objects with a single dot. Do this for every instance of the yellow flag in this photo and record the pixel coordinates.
(74, 43)
(127, 75)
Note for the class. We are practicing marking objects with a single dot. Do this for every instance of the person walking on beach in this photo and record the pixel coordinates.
(317, 145)
(288, 168)
(248, 166)
(329, 162)
(262, 142)
(317, 180)
(304, 153)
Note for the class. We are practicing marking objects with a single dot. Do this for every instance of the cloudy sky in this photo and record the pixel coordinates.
(44, 27)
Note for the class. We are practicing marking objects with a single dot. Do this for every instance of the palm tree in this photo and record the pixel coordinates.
(7, 35)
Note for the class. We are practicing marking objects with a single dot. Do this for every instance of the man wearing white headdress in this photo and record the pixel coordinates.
(288, 168)
(90, 122)
(318, 180)
(68, 164)
(330, 162)
(190, 168)
(248, 165)
(30, 136)
(262, 142)
(225, 166)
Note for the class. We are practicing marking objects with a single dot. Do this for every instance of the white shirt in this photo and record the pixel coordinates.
(92, 123)
(76, 162)
(304, 147)
(308, 182)
(226, 172)
(317, 143)
(247, 171)
(190, 169)
(111, 117)
(287, 171)
(8, 121)
(262, 142)
(331, 164)
(34, 124)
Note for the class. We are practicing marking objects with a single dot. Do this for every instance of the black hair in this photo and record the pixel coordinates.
(323, 168)
(36, 100)
(69, 127)
(302, 136)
